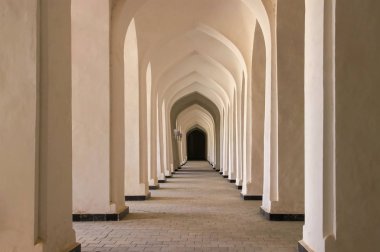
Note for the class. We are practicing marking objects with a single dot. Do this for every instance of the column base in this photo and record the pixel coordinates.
(225, 176)
(302, 247)
(168, 176)
(162, 181)
(220, 172)
(232, 181)
(100, 217)
(137, 197)
(77, 248)
(179, 168)
(217, 170)
(154, 187)
(282, 217)
(239, 187)
(251, 197)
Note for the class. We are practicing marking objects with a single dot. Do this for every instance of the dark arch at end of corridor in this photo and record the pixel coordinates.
(207, 104)
(196, 143)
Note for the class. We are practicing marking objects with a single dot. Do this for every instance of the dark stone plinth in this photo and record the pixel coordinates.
(217, 170)
(225, 176)
(154, 187)
(251, 197)
(220, 172)
(77, 248)
(168, 176)
(232, 181)
(162, 181)
(239, 187)
(137, 197)
(282, 217)
(301, 248)
(100, 217)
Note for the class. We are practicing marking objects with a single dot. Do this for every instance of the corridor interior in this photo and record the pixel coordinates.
(195, 210)
(101, 102)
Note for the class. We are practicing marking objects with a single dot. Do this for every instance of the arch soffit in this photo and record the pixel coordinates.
(124, 11)
(195, 107)
(196, 40)
(192, 83)
(191, 99)
(202, 64)
(188, 124)
(202, 91)
(196, 114)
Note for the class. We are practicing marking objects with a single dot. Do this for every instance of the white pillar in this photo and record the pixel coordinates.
(341, 126)
(136, 184)
(313, 228)
(286, 179)
(35, 130)
(159, 151)
(91, 110)
(253, 185)
(150, 123)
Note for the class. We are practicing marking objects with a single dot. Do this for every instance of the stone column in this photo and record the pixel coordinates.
(35, 131)
(341, 126)
(91, 115)
(159, 151)
(136, 177)
(230, 162)
(151, 132)
(286, 177)
(253, 184)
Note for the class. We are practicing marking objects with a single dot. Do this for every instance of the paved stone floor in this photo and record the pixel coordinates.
(196, 210)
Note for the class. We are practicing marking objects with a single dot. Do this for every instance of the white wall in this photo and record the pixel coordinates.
(91, 107)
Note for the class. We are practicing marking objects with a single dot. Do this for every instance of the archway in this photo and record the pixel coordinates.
(196, 144)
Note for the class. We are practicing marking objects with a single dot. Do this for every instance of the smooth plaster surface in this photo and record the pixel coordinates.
(36, 188)
(91, 92)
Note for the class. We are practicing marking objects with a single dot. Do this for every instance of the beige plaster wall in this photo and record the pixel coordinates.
(357, 79)
(19, 81)
(123, 13)
(290, 93)
(341, 147)
(55, 154)
(37, 126)
(91, 107)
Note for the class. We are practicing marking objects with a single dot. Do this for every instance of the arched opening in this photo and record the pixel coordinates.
(196, 145)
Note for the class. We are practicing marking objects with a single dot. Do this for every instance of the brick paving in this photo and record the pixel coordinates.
(196, 210)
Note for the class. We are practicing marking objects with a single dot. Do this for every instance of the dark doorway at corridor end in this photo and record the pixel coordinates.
(196, 145)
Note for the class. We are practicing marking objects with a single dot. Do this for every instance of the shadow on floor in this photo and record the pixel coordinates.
(170, 198)
(192, 170)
